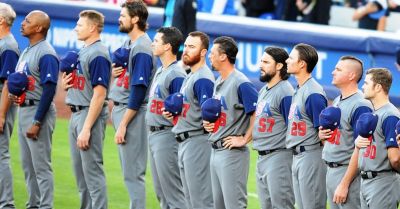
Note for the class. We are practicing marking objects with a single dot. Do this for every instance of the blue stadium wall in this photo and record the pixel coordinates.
(253, 35)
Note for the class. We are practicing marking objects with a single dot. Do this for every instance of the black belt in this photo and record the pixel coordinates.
(305, 148)
(76, 108)
(266, 152)
(333, 164)
(185, 135)
(217, 144)
(155, 128)
(373, 174)
(28, 102)
(119, 103)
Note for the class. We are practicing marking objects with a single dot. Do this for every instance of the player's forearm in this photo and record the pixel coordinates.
(249, 133)
(128, 116)
(394, 158)
(352, 169)
(5, 102)
(95, 108)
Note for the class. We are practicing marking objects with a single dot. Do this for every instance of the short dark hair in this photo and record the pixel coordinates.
(355, 59)
(227, 46)
(173, 36)
(205, 40)
(381, 76)
(280, 56)
(308, 54)
(139, 9)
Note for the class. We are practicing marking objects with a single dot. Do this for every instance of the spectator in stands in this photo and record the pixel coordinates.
(225, 7)
(315, 11)
(369, 14)
(256, 8)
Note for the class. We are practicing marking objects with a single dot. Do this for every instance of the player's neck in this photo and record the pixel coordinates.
(197, 66)
(302, 78)
(226, 71)
(379, 101)
(274, 81)
(4, 32)
(167, 59)
(135, 34)
(348, 90)
(91, 40)
(36, 38)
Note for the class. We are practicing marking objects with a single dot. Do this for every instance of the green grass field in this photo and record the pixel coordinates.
(66, 194)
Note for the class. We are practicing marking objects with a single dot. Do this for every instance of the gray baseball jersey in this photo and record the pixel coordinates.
(82, 91)
(162, 144)
(160, 89)
(302, 126)
(269, 130)
(340, 150)
(190, 119)
(375, 156)
(274, 170)
(94, 68)
(120, 88)
(36, 154)
(230, 168)
(9, 53)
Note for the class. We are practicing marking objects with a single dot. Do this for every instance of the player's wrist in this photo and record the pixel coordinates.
(36, 123)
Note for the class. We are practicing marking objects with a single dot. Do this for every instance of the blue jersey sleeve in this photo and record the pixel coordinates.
(175, 85)
(49, 90)
(8, 62)
(284, 107)
(137, 96)
(100, 71)
(48, 66)
(248, 96)
(360, 110)
(388, 127)
(315, 103)
(203, 89)
(142, 67)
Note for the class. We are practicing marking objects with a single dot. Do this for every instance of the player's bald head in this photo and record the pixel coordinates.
(355, 65)
(41, 19)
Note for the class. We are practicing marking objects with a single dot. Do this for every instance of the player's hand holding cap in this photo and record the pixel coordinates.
(211, 112)
(173, 104)
(69, 62)
(120, 57)
(330, 118)
(17, 85)
(366, 124)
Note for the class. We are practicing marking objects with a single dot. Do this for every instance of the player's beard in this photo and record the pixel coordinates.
(124, 29)
(190, 61)
(267, 77)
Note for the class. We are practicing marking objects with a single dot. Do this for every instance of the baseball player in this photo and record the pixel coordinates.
(274, 164)
(308, 101)
(230, 156)
(9, 54)
(162, 144)
(343, 182)
(129, 91)
(37, 114)
(378, 155)
(194, 150)
(87, 93)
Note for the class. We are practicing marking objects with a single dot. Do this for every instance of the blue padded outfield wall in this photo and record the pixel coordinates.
(253, 35)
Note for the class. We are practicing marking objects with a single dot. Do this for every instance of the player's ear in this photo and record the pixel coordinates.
(167, 47)
(203, 52)
(279, 66)
(134, 20)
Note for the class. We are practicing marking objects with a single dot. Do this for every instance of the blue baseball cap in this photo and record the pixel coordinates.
(173, 103)
(329, 118)
(211, 110)
(366, 124)
(17, 83)
(121, 57)
(398, 127)
(69, 62)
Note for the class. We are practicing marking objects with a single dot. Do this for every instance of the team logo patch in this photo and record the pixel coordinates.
(295, 112)
(260, 107)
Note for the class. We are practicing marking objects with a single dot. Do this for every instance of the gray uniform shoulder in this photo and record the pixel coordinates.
(142, 45)
(312, 87)
(9, 43)
(45, 48)
(204, 72)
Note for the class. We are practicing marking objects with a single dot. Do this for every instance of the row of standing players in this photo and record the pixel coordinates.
(197, 163)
